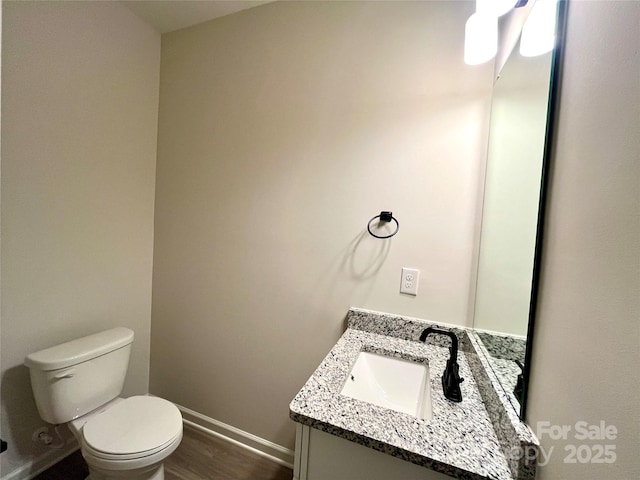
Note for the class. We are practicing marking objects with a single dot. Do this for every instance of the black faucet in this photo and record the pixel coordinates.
(450, 378)
(519, 388)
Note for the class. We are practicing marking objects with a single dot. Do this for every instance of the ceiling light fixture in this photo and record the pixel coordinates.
(480, 38)
(481, 30)
(539, 30)
(495, 8)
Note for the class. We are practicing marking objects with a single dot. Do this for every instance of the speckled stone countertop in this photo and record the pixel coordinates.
(502, 352)
(459, 440)
(507, 372)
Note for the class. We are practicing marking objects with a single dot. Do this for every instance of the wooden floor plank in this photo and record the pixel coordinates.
(202, 457)
(72, 467)
(199, 457)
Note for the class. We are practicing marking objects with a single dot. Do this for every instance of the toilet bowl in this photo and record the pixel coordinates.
(78, 383)
(129, 438)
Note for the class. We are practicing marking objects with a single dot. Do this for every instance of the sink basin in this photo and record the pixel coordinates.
(392, 383)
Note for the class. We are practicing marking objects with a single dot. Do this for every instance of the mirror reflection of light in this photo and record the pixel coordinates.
(480, 38)
(494, 8)
(539, 31)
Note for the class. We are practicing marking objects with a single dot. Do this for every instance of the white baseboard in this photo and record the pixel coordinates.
(39, 464)
(253, 443)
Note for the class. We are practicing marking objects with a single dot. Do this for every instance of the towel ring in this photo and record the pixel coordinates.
(384, 217)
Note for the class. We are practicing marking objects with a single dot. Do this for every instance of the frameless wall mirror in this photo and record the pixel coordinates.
(512, 215)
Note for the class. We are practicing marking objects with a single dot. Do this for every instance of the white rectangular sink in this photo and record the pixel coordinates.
(392, 383)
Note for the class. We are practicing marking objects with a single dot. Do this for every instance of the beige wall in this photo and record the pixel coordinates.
(79, 107)
(282, 130)
(587, 339)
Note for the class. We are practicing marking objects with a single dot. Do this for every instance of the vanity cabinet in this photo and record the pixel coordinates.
(322, 456)
(336, 431)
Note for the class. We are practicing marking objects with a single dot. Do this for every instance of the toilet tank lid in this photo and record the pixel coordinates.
(80, 350)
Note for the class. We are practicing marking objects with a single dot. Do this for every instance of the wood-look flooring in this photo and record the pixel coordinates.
(199, 457)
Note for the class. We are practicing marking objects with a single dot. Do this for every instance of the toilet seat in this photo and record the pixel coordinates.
(136, 427)
(139, 464)
(130, 456)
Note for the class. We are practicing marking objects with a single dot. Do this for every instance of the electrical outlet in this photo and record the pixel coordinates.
(409, 281)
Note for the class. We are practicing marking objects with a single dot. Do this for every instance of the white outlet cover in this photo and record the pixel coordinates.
(409, 281)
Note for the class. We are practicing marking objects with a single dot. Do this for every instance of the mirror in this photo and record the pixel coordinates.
(511, 217)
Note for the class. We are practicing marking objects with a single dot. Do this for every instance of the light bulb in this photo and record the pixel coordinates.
(539, 30)
(495, 8)
(480, 39)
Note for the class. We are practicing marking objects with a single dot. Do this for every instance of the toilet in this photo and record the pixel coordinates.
(79, 383)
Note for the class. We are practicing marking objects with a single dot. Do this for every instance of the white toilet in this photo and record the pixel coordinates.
(78, 383)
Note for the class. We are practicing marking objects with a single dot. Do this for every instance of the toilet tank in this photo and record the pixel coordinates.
(74, 378)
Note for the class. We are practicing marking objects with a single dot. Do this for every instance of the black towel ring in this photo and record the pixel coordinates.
(384, 217)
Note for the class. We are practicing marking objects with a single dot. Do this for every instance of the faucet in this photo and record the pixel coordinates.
(519, 388)
(450, 378)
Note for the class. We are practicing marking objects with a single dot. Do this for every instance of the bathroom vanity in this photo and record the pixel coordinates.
(342, 437)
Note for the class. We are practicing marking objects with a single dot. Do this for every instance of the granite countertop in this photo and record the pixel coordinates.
(459, 440)
(502, 352)
(507, 371)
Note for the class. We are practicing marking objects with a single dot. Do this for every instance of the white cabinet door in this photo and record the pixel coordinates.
(321, 456)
